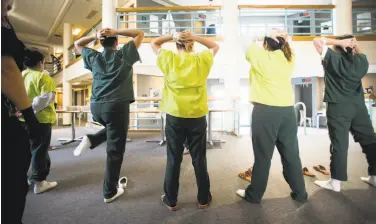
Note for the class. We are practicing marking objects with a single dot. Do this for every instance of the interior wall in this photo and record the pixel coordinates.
(369, 80)
(147, 82)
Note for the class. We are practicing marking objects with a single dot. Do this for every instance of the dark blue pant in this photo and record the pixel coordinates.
(115, 118)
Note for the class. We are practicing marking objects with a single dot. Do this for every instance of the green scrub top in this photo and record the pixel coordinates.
(112, 73)
(184, 93)
(343, 77)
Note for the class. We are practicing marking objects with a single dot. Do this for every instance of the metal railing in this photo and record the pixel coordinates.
(296, 21)
(364, 21)
(160, 21)
(55, 66)
(73, 54)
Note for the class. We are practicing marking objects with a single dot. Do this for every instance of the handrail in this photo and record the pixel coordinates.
(363, 6)
(169, 8)
(286, 6)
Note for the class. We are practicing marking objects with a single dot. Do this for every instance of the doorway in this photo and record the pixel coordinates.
(303, 93)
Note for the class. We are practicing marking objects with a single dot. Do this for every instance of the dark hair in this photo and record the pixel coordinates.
(32, 58)
(283, 45)
(348, 53)
(109, 41)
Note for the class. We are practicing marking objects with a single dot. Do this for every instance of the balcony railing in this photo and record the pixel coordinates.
(160, 21)
(296, 20)
(55, 66)
(364, 20)
(90, 32)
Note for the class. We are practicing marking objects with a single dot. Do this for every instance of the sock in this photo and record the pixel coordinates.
(331, 184)
(369, 180)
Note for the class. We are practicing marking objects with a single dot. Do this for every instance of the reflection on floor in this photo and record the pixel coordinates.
(78, 197)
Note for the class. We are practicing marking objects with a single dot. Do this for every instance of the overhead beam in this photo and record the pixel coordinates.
(60, 16)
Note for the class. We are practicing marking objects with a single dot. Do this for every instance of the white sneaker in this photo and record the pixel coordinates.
(123, 182)
(331, 184)
(43, 186)
(83, 146)
(120, 191)
(241, 193)
(371, 180)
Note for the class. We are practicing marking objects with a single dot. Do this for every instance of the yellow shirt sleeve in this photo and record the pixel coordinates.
(254, 52)
(164, 60)
(206, 61)
(47, 84)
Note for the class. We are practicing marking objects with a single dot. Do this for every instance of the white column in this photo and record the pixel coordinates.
(231, 50)
(342, 17)
(109, 13)
(67, 86)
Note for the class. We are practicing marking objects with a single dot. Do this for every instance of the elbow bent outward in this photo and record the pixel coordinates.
(318, 42)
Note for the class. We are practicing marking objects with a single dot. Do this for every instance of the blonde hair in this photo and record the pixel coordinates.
(184, 44)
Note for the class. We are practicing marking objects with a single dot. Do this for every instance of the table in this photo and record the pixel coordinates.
(163, 138)
(210, 132)
(66, 141)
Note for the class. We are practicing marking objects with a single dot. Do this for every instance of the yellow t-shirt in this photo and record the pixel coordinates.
(270, 77)
(184, 94)
(38, 83)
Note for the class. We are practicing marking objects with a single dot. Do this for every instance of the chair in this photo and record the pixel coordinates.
(304, 119)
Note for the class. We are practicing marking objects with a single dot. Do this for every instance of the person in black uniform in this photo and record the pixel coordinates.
(15, 139)
(345, 66)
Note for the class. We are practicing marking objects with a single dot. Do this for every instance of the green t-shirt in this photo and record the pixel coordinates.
(270, 77)
(343, 78)
(184, 94)
(38, 83)
(112, 73)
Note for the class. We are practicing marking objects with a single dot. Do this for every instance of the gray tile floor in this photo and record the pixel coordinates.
(78, 197)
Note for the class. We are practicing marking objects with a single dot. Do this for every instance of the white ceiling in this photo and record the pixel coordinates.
(38, 21)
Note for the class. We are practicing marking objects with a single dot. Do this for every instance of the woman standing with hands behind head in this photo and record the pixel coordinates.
(273, 118)
(344, 67)
(184, 101)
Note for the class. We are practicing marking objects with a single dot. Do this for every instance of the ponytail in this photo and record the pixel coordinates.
(282, 45)
(286, 49)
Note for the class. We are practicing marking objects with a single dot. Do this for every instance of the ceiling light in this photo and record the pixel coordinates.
(59, 51)
(76, 83)
(76, 31)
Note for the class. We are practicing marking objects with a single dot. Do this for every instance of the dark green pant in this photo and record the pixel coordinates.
(275, 126)
(353, 117)
(115, 118)
(40, 159)
(178, 130)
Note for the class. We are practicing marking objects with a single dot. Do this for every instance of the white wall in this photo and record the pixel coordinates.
(308, 62)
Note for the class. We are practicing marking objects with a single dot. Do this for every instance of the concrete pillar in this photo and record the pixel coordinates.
(230, 48)
(342, 17)
(67, 86)
(109, 19)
